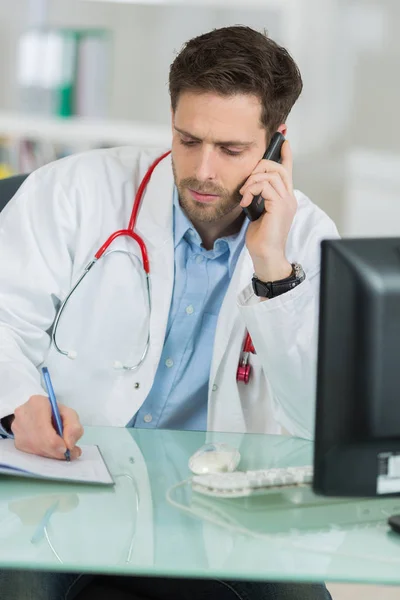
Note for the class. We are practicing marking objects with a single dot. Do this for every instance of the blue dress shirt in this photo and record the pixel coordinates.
(178, 397)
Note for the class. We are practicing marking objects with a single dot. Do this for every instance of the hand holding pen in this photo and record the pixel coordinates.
(43, 427)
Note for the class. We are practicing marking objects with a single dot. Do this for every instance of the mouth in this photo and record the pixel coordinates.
(204, 198)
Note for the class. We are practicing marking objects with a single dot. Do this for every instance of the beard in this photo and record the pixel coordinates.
(206, 213)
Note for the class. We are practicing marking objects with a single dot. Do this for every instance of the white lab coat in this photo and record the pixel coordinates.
(60, 217)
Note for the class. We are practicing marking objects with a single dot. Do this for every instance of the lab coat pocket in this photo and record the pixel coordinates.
(256, 400)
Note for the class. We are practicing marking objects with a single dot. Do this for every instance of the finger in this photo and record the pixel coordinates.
(72, 427)
(75, 453)
(270, 166)
(278, 185)
(273, 178)
(287, 158)
(52, 446)
(249, 192)
(59, 452)
(263, 188)
(55, 446)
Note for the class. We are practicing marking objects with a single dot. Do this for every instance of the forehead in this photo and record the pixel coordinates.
(211, 117)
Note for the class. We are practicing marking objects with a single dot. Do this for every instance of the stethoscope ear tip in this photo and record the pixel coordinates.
(72, 355)
(117, 364)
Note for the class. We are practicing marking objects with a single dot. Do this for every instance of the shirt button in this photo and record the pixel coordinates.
(214, 387)
(169, 363)
(189, 310)
(199, 259)
(147, 418)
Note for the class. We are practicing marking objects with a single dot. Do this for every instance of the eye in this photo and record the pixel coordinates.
(188, 142)
(231, 152)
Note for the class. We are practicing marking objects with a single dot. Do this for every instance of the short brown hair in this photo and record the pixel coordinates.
(234, 60)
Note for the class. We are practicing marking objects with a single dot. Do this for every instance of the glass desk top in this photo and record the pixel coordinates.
(133, 528)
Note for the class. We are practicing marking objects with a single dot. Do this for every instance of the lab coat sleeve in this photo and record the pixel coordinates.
(284, 329)
(35, 270)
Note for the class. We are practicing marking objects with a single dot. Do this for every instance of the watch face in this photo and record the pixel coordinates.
(298, 271)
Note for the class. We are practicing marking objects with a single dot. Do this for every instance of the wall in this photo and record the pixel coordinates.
(345, 124)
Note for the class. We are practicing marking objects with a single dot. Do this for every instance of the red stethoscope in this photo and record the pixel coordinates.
(244, 368)
(243, 371)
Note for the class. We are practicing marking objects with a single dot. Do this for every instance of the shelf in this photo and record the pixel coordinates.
(84, 132)
(216, 4)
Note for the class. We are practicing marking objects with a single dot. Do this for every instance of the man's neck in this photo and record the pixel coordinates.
(227, 225)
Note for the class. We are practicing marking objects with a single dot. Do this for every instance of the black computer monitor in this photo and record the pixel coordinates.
(357, 429)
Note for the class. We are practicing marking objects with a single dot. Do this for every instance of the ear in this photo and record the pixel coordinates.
(172, 119)
(282, 129)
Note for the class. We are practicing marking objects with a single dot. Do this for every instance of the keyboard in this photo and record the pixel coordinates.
(248, 483)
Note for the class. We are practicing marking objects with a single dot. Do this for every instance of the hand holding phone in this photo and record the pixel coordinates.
(273, 152)
(266, 238)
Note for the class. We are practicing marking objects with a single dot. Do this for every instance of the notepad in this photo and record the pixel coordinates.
(89, 468)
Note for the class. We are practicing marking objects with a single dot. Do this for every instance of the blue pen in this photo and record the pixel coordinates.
(54, 407)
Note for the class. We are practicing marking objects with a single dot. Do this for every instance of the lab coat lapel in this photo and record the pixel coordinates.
(155, 225)
(229, 322)
(155, 214)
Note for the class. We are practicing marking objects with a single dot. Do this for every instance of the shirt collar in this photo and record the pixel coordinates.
(183, 228)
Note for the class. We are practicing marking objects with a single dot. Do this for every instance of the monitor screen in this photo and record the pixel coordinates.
(357, 428)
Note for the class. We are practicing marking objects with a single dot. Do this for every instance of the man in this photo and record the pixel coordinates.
(231, 90)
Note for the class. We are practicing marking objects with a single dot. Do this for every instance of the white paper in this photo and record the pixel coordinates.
(89, 468)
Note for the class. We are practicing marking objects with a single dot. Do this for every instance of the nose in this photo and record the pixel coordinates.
(205, 169)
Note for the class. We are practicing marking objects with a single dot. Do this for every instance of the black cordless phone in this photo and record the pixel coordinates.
(273, 152)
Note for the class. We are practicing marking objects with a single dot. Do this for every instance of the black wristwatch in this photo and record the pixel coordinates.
(271, 289)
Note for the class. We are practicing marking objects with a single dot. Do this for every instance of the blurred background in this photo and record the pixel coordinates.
(77, 74)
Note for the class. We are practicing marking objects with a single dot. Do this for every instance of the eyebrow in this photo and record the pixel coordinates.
(218, 143)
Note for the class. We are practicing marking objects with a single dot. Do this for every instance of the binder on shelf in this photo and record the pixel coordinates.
(93, 74)
(65, 85)
(64, 72)
(30, 48)
(47, 71)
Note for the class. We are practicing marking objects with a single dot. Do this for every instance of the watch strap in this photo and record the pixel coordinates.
(271, 289)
